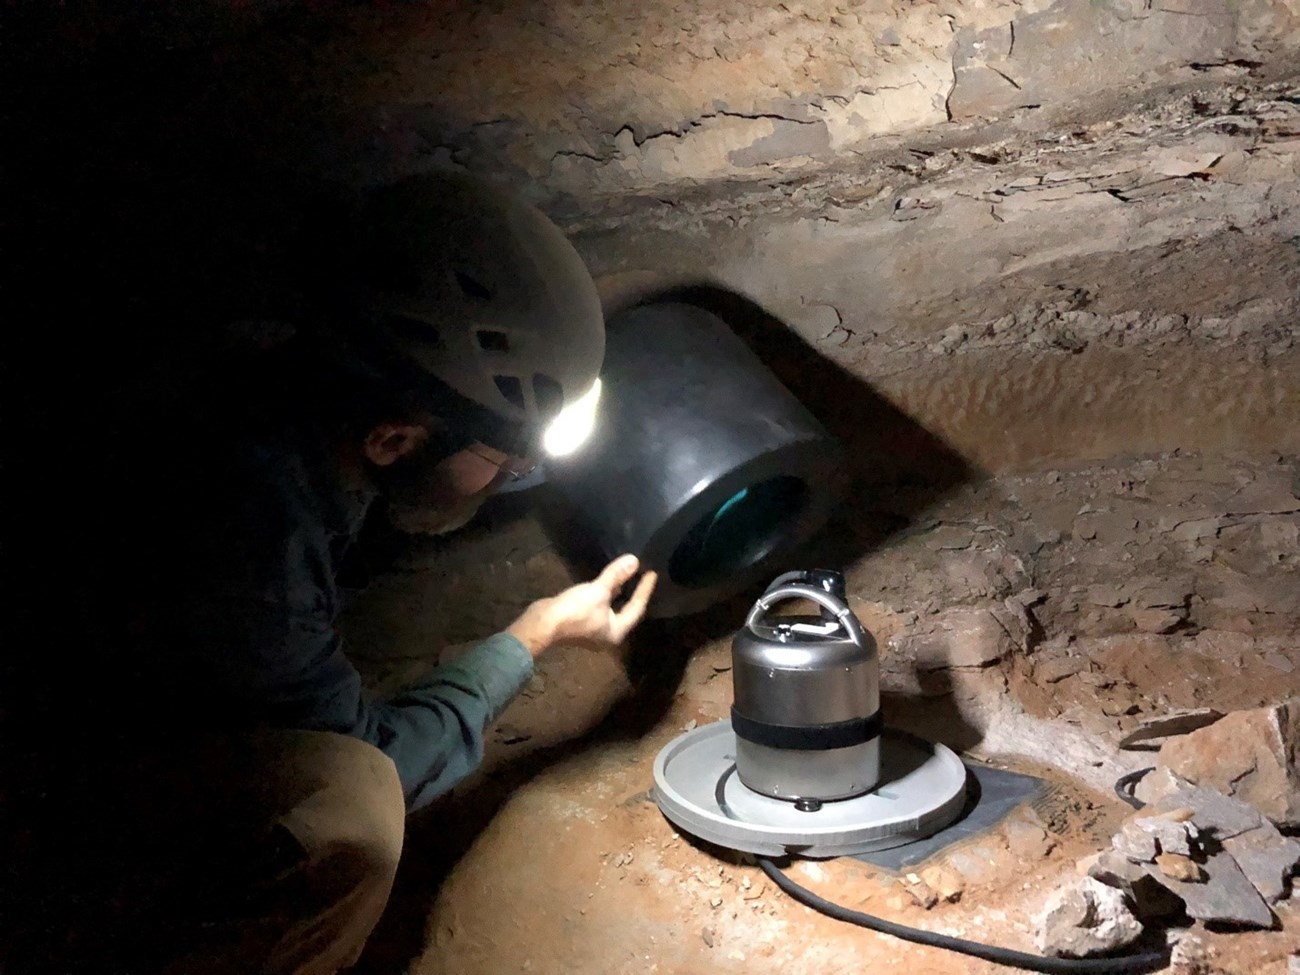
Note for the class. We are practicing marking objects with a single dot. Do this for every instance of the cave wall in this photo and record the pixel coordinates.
(590, 99)
(1127, 286)
(1044, 230)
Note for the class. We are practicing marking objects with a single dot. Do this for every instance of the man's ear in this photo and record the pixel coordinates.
(387, 443)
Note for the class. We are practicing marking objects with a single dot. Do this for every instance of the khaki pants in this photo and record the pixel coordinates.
(271, 852)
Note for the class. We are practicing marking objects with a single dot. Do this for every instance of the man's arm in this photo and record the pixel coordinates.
(433, 731)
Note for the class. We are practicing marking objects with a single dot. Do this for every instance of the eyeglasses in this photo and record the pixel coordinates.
(515, 468)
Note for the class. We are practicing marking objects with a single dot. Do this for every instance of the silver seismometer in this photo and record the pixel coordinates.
(804, 766)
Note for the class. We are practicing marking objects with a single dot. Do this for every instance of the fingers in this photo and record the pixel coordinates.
(618, 572)
(633, 611)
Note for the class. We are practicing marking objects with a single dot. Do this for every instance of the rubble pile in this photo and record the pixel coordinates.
(1206, 843)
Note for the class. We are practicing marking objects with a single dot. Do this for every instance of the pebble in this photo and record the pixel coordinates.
(1179, 867)
(921, 892)
(945, 882)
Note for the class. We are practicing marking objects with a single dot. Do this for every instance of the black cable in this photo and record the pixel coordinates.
(1126, 786)
(1003, 956)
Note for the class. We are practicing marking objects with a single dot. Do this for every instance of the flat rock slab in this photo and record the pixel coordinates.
(1267, 858)
(1226, 896)
(1212, 812)
(1151, 733)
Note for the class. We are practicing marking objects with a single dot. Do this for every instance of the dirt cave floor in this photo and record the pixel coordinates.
(1029, 621)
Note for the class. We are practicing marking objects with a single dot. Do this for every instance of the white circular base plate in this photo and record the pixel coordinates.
(922, 789)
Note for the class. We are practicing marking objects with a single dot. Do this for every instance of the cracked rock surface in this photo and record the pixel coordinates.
(632, 96)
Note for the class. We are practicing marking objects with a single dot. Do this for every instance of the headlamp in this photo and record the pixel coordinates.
(573, 425)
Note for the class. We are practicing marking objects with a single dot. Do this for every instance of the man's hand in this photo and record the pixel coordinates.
(584, 614)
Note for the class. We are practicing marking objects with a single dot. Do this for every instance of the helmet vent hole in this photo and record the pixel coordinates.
(472, 287)
(548, 393)
(494, 341)
(511, 388)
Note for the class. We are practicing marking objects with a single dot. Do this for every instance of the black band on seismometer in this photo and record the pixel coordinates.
(808, 737)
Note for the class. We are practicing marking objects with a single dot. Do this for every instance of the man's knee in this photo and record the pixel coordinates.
(355, 814)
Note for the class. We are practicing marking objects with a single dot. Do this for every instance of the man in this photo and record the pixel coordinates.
(257, 796)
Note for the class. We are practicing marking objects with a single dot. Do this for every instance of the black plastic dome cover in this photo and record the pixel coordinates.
(702, 463)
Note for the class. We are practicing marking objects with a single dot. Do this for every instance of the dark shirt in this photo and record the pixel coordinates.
(249, 597)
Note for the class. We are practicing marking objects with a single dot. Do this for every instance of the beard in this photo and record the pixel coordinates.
(428, 493)
(425, 519)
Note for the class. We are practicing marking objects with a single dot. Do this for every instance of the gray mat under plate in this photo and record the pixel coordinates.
(991, 795)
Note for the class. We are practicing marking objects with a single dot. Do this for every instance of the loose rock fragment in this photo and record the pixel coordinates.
(976, 864)
(921, 893)
(1134, 842)
(1149, 898)
(1052, 670)
(1279, 662)
(1157, 785)
(1157, 620)
(945, 882)
(1087, 918)
(1189, 954)
(1178, 867)
(1171, 835)
(1212, 812)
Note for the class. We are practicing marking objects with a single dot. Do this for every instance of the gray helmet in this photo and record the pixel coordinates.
(481, 292)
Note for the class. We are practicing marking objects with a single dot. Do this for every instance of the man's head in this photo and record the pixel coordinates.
(482, 305)
(482, 317)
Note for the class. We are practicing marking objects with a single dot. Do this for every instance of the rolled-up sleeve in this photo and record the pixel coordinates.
(433, 731)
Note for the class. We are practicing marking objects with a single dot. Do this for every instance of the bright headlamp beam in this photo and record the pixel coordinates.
(571, 428)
